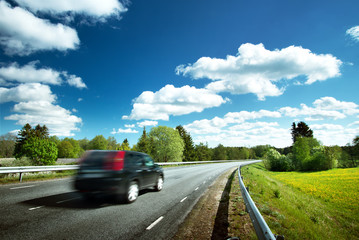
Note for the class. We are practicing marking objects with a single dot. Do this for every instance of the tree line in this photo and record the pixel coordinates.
(165, 144)
(308, 154)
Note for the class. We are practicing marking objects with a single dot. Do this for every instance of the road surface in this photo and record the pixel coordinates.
(54, 210)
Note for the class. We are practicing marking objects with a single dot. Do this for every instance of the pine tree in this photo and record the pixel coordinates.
(189, 153)
(143, 144)
(301, 130)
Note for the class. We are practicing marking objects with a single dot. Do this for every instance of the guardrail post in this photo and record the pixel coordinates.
(20, 179)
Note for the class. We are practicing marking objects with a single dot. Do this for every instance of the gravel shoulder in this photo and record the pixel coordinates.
(219, 213)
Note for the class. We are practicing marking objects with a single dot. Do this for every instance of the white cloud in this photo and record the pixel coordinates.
(75, 81)
(95, 8)
(23, 33)
(129, 125)
(27, 92)
(217, 124)
(170, 100)
(121, 130)
(324, 108)
(257, 70)
(59, 120)
(147, 123)
(30, 73)
(36, 105)
(244, 128)
(353, 33)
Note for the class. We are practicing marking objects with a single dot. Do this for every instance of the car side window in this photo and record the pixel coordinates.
(148, 161)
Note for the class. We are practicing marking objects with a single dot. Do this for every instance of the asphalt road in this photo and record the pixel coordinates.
(53, 210)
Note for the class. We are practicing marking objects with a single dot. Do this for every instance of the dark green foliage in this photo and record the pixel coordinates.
(25, 134)
(274, 161)
(220, 153)
(7, 145)
(143, 144)
(301, 130)
(260, 150)
(189, 154)
(204, 153)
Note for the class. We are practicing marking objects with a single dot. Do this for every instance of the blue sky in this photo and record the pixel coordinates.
(231, 72)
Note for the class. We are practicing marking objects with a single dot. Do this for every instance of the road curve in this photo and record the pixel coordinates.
(53, 210)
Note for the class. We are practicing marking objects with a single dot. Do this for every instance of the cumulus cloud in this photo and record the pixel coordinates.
(257, 70)
(121, 130)
(35, 104)
(147, 123)
(324, 108)
(23, 33)
(95, 8)
(59, 120)
(353, 33)
(30, 73)
(216, 124)
(170, 100)
(27, 92)
(74, 81)
(246, 128)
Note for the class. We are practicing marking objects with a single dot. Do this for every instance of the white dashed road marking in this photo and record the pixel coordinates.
(183, 199)
(154, 223)
(34, 208)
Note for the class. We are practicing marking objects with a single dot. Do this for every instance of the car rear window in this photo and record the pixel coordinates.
(96, 159)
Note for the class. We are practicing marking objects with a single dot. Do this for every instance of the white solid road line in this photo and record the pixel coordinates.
(183, 199)
(34, 208)
(154, 223)
(22, 187)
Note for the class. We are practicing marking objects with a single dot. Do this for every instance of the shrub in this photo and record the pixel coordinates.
(40, 151)
(274, 161)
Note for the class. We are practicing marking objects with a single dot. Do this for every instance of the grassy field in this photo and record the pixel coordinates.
(317, 205)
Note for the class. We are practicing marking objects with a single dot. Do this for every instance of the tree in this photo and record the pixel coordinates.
(143, 144)
(204, 153)
(26, 133)
(301, 130)
(40, 151)
(98, 143)
(167, 144)
(189, 153)
(112, 143)
(219, 153)
(65, 150)
(260, 150)
(7, 145)
(125, 146)
(84, 144)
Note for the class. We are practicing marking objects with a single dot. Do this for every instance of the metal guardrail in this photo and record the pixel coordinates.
(262, 230)
(26, 169)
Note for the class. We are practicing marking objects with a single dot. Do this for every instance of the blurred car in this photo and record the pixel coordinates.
(121, 174)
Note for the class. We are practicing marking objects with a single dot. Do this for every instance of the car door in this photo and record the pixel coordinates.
(149, 173)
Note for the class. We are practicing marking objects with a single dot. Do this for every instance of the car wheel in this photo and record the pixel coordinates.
(159, 184)
(132, 192)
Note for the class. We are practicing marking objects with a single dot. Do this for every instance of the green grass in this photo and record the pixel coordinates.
(317, 205)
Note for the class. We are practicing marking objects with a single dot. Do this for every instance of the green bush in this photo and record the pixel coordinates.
(40, 151)
(274, 161)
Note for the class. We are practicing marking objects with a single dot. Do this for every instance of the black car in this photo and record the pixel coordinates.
(121, 174)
